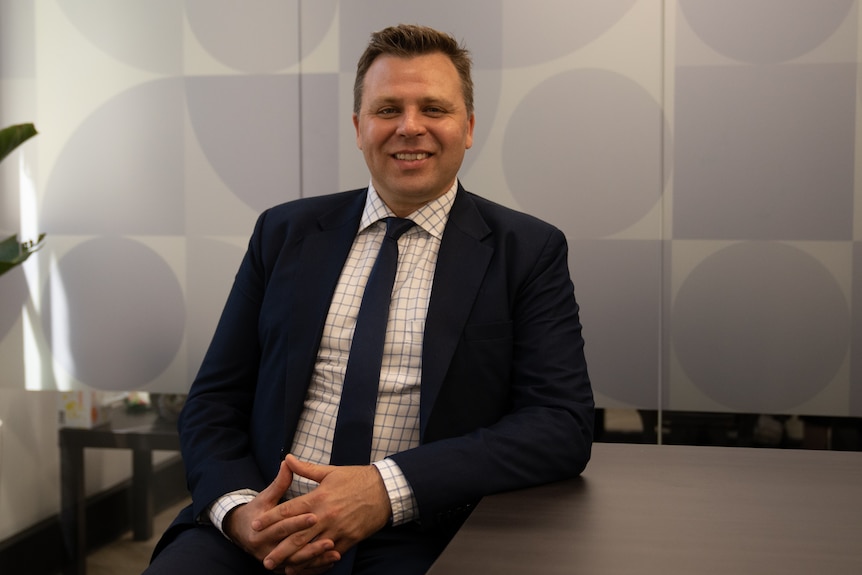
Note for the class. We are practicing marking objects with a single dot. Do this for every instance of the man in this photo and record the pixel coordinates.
(483, 386)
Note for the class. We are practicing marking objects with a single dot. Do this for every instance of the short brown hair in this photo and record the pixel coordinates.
(407, 41)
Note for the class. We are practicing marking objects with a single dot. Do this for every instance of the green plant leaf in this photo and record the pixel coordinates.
(13, 252)
(14, 136)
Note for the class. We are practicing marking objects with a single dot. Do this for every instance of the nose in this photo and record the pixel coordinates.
(411, 124)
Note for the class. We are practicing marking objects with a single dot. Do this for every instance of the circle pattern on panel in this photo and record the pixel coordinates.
(566, 26)
(765, 31)
(584, 151)
(478, 25)
(760, 325)
(126, 30)
(113, 313)
(127, 159)
(245, 127)
(258, 36)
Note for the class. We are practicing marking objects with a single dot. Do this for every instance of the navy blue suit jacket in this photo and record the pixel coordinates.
(505, 396)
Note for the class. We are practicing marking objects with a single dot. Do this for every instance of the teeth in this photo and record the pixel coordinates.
(411, 157)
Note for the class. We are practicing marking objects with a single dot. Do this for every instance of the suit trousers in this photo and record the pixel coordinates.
(404, 550)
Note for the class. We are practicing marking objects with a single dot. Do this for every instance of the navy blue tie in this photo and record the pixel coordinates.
(351, 444)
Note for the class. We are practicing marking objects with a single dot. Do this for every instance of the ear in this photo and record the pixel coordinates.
(356, 127)
(471, 123)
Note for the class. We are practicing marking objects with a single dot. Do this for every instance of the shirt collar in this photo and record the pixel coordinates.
(431, 217)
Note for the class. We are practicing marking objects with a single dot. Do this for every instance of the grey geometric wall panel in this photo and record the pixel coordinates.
(766, 31)
(560, 27)
(231, 115)
(618, 286)
(760, 326)
(765, 152)
(121, 172)
(146, 34)
(566, 143)
(700, 157)
(113, 330)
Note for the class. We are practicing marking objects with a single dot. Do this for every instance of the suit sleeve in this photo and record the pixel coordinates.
(215, 424)
(537, 426)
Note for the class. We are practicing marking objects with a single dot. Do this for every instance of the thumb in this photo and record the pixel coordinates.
(308, 470)
(275, 490)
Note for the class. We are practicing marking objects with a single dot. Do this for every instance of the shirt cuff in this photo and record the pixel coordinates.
(219, 508)
(401, 498)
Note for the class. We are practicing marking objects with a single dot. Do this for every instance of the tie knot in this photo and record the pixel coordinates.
(397, 226)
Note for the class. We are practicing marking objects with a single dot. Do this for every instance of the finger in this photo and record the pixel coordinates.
(279, 486)
(319, 553)
(295, 507)
(283, 553)
(285, 518)
(261, 543)
(310, 569)
(321, 565)
(322, 562)
(308, 470)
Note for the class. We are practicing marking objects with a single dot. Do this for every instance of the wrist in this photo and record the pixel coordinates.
(228, 522)
(402, 502)
(221, 507)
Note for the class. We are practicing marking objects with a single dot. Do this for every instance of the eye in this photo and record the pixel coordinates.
(387, 112)
(434, 111)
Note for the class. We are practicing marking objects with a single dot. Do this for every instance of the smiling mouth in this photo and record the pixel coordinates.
(412, 157)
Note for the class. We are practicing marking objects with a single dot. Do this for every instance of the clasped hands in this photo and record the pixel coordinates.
(309, 534)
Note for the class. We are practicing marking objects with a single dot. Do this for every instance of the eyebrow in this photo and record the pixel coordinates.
(391, 100)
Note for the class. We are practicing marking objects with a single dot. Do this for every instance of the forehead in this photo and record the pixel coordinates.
(430, 73)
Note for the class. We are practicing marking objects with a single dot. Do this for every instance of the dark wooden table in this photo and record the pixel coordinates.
(142, 434)
(650, 509)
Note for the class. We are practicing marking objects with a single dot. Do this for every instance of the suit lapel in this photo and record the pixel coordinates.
(461, 265)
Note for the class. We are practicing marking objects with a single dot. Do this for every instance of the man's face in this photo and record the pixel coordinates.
(413, 128)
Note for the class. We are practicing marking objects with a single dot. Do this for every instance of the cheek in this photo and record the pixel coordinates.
(458, 137)
(371, 140)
